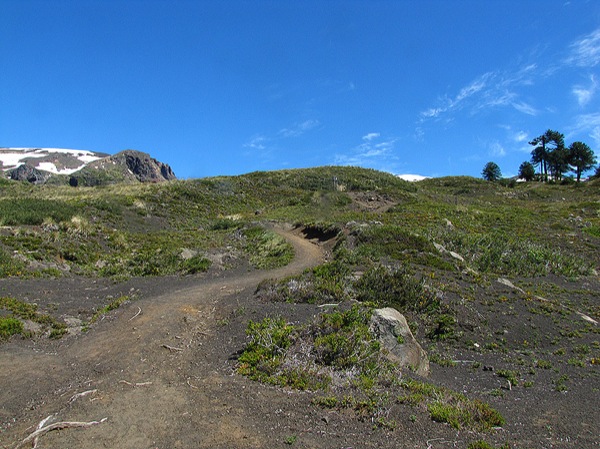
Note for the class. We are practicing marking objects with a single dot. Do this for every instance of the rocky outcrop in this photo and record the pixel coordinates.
(128, 166)
(82, 168)
(144, 167)
(26, 172)
(400, 346)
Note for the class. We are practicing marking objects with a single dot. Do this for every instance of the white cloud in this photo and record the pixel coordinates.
(369, 153)
(520, 136)
(371, 136)
(257, 143)
(525, 108)
(585, 94)
(432, 112)
(497, 150)
(297, 129)
(490, 90)
(585, 52)
(587, 125)
(264, 143)
(472, 88)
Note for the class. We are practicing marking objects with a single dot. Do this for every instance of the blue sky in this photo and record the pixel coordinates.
(431, 87)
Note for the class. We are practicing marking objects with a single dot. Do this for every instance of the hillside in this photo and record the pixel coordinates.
(80, 167)
(156, 294)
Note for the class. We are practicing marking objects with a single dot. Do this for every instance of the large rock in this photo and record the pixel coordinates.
(144, 167)
(392, 330)
(26, 172)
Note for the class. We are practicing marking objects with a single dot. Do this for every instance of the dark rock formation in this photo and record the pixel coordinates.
(144, 167)
(26, 172)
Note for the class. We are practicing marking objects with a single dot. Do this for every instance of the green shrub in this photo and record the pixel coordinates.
(510, 375)
(395, 288)
(444, 328)
(26, 311)
(10, 326)
(343, 339)
(447, 406)
(463, 413)
(267, 249)
(268, 341)
(196, 264)
(321, 284)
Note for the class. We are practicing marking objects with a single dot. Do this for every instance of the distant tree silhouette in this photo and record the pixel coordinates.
(581, 158)
(545, 145)
(527, 171)
(491, 172)
(558, 162)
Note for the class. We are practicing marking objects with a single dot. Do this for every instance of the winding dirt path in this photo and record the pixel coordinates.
(155, 376)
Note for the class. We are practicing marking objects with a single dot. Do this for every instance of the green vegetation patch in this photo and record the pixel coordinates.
(337, 354)
(33, 211)
(447, 406)
(395, 287)
(112, 305)
(322, 284)
(307, 357)
(10, 326)
(505, 253)
(267, 249)
(19, 311)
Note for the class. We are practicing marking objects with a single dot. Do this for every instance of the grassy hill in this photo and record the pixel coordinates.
(528, 230)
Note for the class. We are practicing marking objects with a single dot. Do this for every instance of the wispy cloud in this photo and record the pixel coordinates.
(297, 129)
(586, 124)
(520, 136)
(490, 90)
(257, 143)
(585, 94)
(372, 152)
(496, 149)
(264, 142)
(525, 108)
(585, 52)
(371, 136)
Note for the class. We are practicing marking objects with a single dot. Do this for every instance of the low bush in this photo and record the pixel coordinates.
(267, 249)
(10, 326)
(387, 287)
(26, 311)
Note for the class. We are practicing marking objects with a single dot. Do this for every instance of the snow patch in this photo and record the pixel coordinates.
(13, 157)
(412, 178)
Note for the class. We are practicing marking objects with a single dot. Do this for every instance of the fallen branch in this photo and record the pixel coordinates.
(328, 305)
(587, 318)
(172, 348)
(39, 426)
(56, 426)
(80, 395)
(137, 314)
(137, 384)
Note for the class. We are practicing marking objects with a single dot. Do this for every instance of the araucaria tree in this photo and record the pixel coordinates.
(527, 171)
(491, 172)
(581, 158)
(545, 145)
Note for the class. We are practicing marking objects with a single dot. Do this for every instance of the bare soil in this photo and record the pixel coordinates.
(160, 369)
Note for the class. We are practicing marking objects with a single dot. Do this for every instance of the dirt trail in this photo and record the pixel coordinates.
(156, 375)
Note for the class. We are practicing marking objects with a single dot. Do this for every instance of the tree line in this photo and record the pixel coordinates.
(552, 159)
